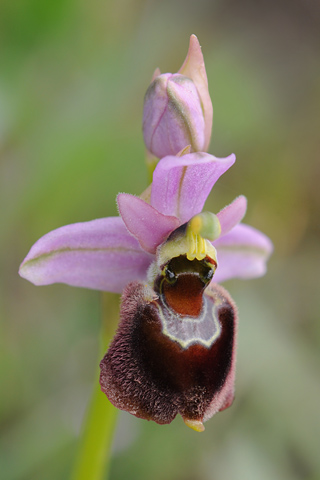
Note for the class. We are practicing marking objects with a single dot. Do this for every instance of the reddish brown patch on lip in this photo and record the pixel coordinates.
(185, 295)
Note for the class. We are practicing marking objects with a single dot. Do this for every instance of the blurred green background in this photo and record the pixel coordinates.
(72, 79)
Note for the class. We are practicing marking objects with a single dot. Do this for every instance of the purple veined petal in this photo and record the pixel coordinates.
(99, 254)
(242, 253)
(232, 214)
(149, 226)
(181, 185)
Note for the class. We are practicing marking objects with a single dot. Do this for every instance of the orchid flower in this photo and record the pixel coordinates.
(174, 350)
(166, 257)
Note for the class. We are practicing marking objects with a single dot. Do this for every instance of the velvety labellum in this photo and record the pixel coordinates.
(162, 362)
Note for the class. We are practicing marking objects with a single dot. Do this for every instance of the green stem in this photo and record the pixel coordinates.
(93, 457)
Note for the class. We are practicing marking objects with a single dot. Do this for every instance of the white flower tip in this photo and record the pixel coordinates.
(28, 272)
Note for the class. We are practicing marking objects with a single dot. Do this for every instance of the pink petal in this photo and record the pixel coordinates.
(100, 254)
(194, 68)
(181, 185)
(242, 253)
(232, 214)
(144, 222)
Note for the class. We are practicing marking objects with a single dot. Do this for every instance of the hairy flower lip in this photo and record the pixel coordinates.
(149, 374)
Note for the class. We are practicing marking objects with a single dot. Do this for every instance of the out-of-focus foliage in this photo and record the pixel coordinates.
(72, 80)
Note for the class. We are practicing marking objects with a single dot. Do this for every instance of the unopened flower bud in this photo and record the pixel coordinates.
(173, 116)
(178, 108)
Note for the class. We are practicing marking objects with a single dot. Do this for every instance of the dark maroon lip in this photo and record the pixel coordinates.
(150, 375)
